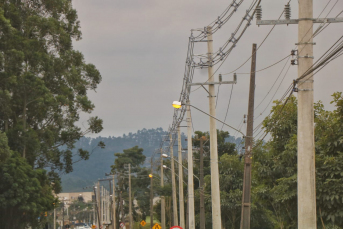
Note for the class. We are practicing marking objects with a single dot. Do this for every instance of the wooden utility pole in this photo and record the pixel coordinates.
(130, 199)
(151, 195)
(175, 220)
(215, 190)
(163, 203)
(202, 201)
(246, 198)
(191, 216)
(181, 199)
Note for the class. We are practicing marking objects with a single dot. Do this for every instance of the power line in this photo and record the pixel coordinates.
(265, 38)
(234, 41)
(272, 85)
(228, 106)
(275, 92)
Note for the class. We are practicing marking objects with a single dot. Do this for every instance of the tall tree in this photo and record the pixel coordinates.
(139, 178)
(44, 83)
(275, 165)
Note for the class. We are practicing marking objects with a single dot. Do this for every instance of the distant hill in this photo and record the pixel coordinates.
(87, 172)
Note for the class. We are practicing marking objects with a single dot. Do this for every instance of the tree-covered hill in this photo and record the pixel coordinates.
(85, 173)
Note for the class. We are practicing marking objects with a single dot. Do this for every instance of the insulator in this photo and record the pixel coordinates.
(220, 78)
(293, 52)
(259, 13)
(287, 12)
(235, 77)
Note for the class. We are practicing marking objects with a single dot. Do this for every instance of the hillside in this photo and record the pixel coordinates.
(87, 172)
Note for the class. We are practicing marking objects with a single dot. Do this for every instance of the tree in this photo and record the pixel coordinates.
(25, 193)
(275, 165)
(4, 149)
(329, 163)
(44, 83)
(136, 158)
(230, 179)
(43, 89)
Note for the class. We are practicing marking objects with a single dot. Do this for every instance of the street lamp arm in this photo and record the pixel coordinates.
(185, 168)
(216, 119)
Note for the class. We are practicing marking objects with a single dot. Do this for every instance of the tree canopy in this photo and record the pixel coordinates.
(43, 89)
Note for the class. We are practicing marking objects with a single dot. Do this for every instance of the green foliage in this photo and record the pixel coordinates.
(25, 193)
(43, 89)
(44, 82)
(275, 166)
(230, 179)
(329, 163)
(135, 157)
(4, 149)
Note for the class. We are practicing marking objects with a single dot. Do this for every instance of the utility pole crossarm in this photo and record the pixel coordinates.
(296, 21)
(212, 83)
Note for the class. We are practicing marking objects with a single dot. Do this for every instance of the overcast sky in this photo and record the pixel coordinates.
(140, 46)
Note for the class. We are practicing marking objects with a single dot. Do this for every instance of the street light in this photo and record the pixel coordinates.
(167, 156)
(164, 166)
(177, 104)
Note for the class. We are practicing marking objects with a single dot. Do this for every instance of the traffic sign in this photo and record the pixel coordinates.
(143, 223)
(156, 226)
(93, 226)
(121, 224)
(176, 227)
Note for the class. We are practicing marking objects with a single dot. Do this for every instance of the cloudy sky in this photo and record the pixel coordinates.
(140, 48)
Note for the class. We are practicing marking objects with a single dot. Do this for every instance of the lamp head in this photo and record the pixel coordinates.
(165, 155)
(177, 104)
(165, 167)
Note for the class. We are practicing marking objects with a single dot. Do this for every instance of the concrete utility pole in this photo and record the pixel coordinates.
(163, 203)
(246, 198)
(54, 217)
(175, 220)
(181, 200)
(130, 199)
(191, 216)
(94, 205)
(215, 190)
(306, 144)
(121, 207)
(99, 204)
(306, 148)
(114, 220)
(63, 215)
(151, 196)
(202, 201)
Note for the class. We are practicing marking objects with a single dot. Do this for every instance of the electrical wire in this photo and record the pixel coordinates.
(265, 38)
(233, 40)
(228, 106)
(275, 92)
(272, 85)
